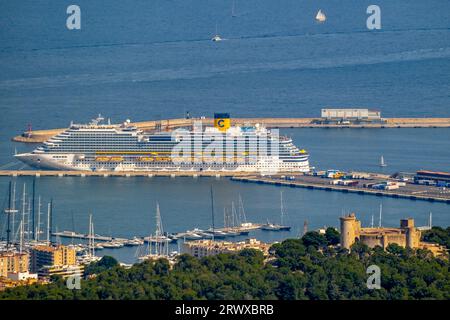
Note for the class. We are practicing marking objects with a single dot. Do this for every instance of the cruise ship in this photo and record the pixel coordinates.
(99, 146)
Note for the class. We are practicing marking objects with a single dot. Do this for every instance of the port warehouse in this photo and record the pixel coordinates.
(440, 179)
(357, 116)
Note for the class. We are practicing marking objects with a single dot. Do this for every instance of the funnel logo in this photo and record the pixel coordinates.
(222, 121)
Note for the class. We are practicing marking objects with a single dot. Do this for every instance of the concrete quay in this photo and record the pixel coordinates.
(410, 191)
(39, 136)
(162, 173)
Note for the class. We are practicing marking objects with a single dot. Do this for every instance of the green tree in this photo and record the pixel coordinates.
(293, 271)
(437, 235)
(315, 239)
(105, 263)
(332, 236)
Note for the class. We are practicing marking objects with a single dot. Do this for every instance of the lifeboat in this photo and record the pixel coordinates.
(146, 159)
(102, 159)
(117, 159)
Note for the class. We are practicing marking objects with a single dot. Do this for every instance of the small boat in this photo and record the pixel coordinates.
(112, 245)
(217, 234)
(248, 226)
(158, 239)
(195, 234)
(216, 38)
(232, 233)
(320, 16)
(134, 242)
(269, 227)
(192, 236)
(277, 227)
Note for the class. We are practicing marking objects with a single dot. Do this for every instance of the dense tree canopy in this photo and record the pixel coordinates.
(105, 263)
(298, 269)
(332, 236)
(438, 235)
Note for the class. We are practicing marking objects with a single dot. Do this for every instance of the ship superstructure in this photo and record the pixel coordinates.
(108, 147)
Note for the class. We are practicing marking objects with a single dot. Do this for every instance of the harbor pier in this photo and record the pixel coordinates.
(148, 174)
(409, 191)
(39, 136)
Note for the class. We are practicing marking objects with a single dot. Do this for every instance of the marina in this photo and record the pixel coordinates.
(235, 225)
(128, 231)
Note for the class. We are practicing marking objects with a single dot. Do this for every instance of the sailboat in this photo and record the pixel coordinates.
(320, 16)
(382, 163)
(233, 9)
(277, 227)
(10, 211)
(159, 241)
(160, 237)
(216, 37)
(88, 256)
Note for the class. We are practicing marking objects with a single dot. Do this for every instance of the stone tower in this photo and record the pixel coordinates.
(412, 234)
(350, 230)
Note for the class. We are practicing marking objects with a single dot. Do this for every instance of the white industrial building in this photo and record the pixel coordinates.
(351, 115)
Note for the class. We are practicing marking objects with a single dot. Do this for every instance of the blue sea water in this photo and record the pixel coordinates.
(154, 59)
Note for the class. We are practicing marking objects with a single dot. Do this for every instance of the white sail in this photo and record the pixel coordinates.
(382, 163)
(320, 16)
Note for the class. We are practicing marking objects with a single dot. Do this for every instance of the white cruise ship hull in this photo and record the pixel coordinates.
(72, 162)
(96, 147)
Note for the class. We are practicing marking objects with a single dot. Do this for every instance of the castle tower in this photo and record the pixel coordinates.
(412, 234)
(350, 230)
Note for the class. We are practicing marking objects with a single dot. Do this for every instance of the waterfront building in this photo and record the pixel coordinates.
(441, 179)
(22, 276)
(52, 256)
(13, 262)
(351, 116)
(407, 235)
(61, 270)
(21, 280)
(203, 248)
